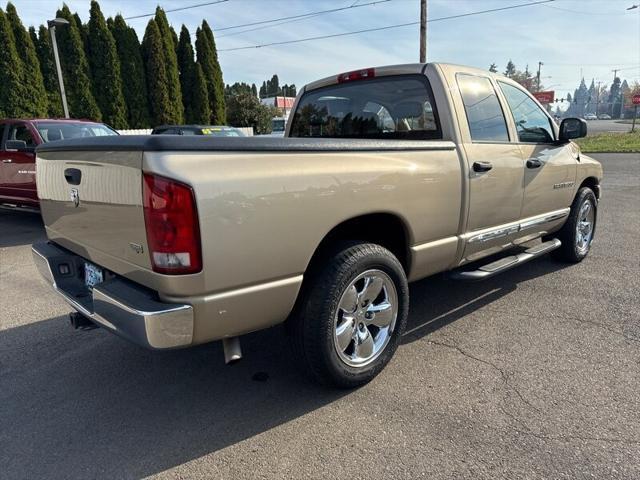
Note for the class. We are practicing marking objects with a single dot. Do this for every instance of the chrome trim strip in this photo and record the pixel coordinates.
(510, 229)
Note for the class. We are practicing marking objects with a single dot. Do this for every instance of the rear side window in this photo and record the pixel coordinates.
(484, 114)
(532, 124)
(20, 131)
(395, 107)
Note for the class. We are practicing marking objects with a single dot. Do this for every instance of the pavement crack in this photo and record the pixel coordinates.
(505, 377)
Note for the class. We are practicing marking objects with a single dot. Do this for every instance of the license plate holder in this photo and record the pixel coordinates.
(93, 275)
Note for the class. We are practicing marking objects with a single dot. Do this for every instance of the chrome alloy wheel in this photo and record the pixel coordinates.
(365, 318)
(584, 227)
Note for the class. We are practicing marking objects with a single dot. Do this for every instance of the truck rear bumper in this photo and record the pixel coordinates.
(116, 304)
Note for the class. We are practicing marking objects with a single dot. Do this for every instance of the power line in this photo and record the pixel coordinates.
(293, 18)
(308, 14)
(388, 27)
(178, 9)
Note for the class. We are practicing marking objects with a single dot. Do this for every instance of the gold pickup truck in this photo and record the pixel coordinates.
(385, 175)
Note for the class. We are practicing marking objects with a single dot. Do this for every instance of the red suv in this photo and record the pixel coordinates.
(18, 140)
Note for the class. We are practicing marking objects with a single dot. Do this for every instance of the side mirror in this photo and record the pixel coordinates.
(571, 128)
(16, 146)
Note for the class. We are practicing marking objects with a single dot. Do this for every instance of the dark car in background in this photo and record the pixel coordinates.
(209, 130)
(18, 141)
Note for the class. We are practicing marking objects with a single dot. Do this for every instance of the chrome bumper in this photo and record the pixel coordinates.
(117, 304)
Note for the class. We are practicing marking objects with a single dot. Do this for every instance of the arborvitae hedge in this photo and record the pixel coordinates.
(34, 100)
(104, 65)
(42, 42)
(10, 81)
(171, 62)
(208, 59)
(134, 86)
(160, 105)
(200, 98)
(75, 69)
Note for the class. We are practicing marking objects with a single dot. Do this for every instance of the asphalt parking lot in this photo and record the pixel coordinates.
(533, 374)
(595, 127)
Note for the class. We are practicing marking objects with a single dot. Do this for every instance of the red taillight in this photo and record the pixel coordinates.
(356, 75)
(171, 220)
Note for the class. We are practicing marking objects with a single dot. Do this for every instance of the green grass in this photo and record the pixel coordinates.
(624, 142)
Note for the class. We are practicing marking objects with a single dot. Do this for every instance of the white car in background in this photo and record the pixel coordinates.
(590, 116)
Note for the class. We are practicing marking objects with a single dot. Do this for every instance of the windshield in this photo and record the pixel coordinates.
(278, 124)
(388, 107)
(50, 132)
(222, 132)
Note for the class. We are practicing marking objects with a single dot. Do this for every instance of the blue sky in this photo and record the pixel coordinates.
(569, 36)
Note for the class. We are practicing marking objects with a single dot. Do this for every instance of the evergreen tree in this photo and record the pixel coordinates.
(254, 90)
(42, 42)
(10, 74)
(263, 90)
(171, 62)
(161, 108)
(105, 70)
(75, 69)
(187, 67)
(208, 59)
(510, 70)
(201, 112)
(493, 68)
(34, 100)
(134, 86)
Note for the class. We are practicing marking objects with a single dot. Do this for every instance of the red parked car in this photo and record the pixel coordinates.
(18, 140)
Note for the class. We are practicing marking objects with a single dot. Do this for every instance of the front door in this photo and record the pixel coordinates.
(19, 168)
(551, 168)
(495, 168)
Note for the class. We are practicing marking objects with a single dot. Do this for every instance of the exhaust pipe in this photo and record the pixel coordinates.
(232, 349)
(79, 321)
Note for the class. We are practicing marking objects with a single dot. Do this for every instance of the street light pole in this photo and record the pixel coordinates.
(58, 22)
(423, 31)
(538, 76)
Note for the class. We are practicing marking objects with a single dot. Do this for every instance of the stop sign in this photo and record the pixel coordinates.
(635, 99)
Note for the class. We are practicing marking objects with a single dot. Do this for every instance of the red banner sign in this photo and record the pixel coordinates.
(635, 99)
(545, 97)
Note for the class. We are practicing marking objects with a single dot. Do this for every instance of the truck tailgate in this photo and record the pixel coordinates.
(91, 204)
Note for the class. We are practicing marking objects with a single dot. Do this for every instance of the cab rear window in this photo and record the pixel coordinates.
(395, 107)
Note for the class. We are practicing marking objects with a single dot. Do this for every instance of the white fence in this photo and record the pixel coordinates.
(248, 131)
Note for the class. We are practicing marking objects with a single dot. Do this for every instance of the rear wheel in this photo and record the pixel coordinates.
(577, 233)
(352, 315)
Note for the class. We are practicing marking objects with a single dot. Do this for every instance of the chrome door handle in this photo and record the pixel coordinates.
(7, 160)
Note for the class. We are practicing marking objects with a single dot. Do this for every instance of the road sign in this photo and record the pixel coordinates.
(545, 97)
(635, 99)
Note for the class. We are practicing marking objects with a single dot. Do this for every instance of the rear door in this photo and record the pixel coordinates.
(496, 168)
(550, 168)
(19, 168)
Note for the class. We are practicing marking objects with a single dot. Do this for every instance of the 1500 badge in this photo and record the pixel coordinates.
(563, 185)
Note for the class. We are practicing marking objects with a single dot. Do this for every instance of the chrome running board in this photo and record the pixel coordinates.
(506, 263)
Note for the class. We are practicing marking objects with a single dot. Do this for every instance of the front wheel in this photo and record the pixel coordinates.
(577, 233)
(352, 315)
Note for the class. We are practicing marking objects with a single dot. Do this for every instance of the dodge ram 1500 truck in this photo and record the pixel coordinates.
(388, 175)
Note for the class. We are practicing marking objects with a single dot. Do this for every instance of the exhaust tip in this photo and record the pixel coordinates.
(232, 350)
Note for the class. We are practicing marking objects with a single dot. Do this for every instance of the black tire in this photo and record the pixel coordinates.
(568, 235)
(312, 325)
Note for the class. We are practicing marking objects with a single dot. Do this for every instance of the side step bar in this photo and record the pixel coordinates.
(506, 263)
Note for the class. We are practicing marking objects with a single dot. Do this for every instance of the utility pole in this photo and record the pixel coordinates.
(58, 22)
(423, 31)
(538, 76)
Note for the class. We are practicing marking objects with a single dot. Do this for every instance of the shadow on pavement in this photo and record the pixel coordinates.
(84, 404)
(20, 228)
